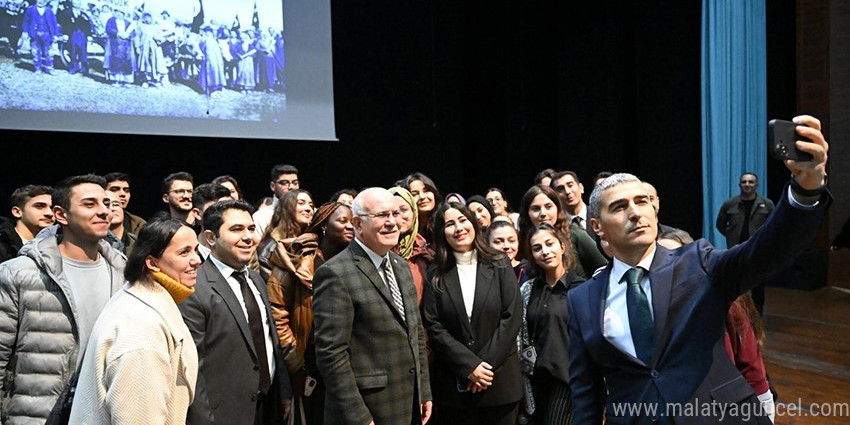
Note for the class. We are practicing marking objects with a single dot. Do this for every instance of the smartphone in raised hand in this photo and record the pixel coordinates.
(781, 136)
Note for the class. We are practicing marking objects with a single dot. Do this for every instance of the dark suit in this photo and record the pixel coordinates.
(585, 225)
(579, 244)
(374, 364)
(461, 344)
(228, 372)
(692, 289)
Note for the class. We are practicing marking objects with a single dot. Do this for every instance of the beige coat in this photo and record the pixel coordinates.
(140, 365)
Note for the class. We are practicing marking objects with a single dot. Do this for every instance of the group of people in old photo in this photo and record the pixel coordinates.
(149, 48)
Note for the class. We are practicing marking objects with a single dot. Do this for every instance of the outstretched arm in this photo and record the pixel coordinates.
(791, 227)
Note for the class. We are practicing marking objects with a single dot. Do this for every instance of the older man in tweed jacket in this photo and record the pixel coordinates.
(370, 344)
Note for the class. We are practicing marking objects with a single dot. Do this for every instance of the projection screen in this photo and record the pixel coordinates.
(210, 68)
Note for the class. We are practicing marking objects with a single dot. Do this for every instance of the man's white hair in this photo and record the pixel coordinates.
(357, 207)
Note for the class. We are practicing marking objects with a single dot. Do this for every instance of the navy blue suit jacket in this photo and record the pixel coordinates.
(692, 290)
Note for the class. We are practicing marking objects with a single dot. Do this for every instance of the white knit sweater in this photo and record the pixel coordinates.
(140, 365)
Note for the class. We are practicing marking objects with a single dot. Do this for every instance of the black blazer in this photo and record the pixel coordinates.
(228, 372)
(460, 345)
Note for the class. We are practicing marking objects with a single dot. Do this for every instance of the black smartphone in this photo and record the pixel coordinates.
(781, 136)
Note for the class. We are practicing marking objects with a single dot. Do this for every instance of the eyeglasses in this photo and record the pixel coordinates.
(181, 191)
(288, 182)
(383, 215)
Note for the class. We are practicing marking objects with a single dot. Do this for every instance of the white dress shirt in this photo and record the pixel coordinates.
(582, 214)
(203, 252)
(227, 272)
(263, 217)
(615, 322)
(377, 260)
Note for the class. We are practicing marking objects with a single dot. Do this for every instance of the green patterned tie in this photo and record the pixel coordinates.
(640, 317)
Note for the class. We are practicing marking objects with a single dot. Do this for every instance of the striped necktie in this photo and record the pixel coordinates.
(393, 285)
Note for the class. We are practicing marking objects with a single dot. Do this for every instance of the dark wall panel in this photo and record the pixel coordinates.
(473, 95)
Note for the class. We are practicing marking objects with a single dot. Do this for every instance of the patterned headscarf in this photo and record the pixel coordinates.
(323, 213)
(406, 241)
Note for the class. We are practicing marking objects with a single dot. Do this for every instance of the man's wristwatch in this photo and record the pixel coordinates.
(809, 192)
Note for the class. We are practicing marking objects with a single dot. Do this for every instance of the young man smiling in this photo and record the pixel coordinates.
(177, 194)
(119, 184)
(31, 207)
(242, 379)
(50, 298)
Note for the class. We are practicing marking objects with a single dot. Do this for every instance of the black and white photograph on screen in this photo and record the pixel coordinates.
(217, 59)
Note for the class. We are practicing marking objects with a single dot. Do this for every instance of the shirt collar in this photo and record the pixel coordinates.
(376, 259)
(225, 270)
(620, 268)
(563, 281)
(582, 213)
(203, 251)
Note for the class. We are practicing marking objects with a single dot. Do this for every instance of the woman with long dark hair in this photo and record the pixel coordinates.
(427, 199)
(290, 288)
(292, 215)
(544, 331)
(140, 364)
(472, 311)
(541, 204)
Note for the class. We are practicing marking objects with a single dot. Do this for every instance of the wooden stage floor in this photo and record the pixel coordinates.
(807, 354)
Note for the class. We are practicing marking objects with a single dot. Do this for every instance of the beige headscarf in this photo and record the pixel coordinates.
(406, 241)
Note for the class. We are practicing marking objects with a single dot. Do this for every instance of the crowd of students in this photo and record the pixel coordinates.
(454, 246)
